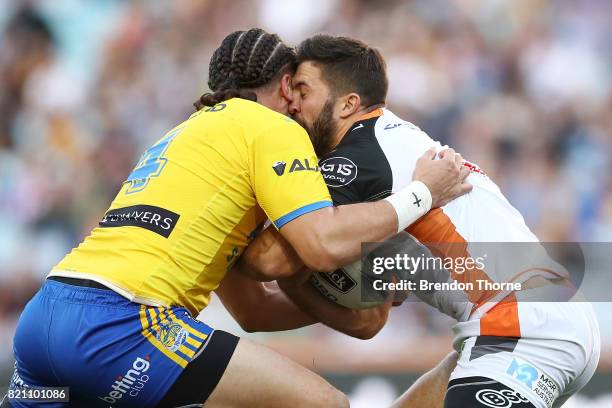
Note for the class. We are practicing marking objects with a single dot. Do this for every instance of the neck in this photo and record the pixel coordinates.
(345, 124)
(270, 99)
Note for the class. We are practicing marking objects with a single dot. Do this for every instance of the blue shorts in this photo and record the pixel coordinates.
(108, 350)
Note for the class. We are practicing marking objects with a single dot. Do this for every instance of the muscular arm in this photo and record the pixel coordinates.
(257, 306)
(271, 257)
(362, 324)
(331, 237)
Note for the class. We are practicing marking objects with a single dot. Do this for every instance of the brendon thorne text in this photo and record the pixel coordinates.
(425, 285)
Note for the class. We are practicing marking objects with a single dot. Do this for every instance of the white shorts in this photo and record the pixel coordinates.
(555, 357)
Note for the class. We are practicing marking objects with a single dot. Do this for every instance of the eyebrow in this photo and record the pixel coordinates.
(301, 83)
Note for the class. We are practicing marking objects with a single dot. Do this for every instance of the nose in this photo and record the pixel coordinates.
(294, 106)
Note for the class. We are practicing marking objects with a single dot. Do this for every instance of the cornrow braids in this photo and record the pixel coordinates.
(221, 60)
(245, 60)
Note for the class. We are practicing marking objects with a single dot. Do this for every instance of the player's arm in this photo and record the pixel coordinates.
(360, 323)
(257, 306)
(295, 197)
(271, 255)
(331, 237)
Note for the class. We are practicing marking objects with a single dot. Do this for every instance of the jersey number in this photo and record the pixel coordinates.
(151, 164)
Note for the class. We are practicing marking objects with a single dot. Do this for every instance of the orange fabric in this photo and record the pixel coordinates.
(502, 320)
(437, 231)
(374, 114)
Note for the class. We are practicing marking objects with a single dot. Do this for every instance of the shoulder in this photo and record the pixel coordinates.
(358, 164)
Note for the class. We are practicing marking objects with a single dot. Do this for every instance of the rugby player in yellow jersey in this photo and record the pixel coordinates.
(114, 319)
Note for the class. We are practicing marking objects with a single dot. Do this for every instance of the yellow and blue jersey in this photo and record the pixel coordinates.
(195, 200)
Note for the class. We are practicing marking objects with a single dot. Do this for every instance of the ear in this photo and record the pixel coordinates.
(349, 104)
(285, 88)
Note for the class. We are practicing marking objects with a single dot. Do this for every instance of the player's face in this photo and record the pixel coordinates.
(313, 106)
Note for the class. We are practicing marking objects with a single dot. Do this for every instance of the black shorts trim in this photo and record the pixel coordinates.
(483, 392)
(199, 379)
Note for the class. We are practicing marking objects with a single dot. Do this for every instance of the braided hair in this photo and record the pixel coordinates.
(244, 61)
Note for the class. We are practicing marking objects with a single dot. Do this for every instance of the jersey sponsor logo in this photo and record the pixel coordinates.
(130, 383)
(338, 171)
(156, 219)
(523, 372)
(172, 335)
(409, 125)
(392, 126)
(279, 167)
(339, 279)
(542, 385)
(499, 399)
(296, 165)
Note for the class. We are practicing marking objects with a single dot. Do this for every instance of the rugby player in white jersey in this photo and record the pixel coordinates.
(512, 352)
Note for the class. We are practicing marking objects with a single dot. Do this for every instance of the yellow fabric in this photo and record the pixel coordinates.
(211, 171)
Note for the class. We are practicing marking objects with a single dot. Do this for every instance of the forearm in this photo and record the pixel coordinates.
(269, 257)
(331, 237)
(276, 312)
(259, 306)
(349, 226)
(363, 323)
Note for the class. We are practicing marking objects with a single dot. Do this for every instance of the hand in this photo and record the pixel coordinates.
(445, 178)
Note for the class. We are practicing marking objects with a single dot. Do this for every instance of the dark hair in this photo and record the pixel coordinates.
(245, 60)
(348, 65)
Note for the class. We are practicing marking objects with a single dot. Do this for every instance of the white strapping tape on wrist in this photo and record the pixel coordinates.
(410, 203)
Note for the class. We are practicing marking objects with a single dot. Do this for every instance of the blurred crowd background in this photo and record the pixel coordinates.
(521, 87)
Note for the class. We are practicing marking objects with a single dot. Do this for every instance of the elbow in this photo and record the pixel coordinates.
(370, 323)
(273, 269)
(368, 332)
(263, 269)
(248, 328)
(247, 322)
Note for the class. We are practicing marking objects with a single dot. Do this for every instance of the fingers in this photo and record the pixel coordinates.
(463, 173)
(455, 192)
(430, 154)
(458, 160)
(465, 188)
(459, 190)
(447, 154)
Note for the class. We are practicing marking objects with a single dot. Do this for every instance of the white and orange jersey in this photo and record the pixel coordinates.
(377, 157)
